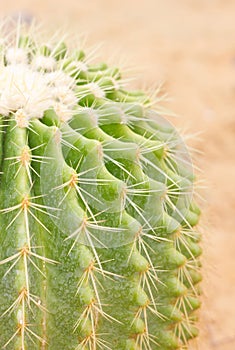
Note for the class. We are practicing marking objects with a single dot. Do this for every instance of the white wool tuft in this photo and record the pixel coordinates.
(81, 66)
(22, 88)
(28, 89)
(63, 111)
(16, 55)
(44, 63)
(96, 90)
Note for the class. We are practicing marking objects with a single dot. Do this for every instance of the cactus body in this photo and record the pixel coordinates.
(98, 245)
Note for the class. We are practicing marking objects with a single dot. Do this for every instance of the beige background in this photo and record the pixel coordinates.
(190, 46)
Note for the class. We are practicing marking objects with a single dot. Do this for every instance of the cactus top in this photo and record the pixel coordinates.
(31, 84)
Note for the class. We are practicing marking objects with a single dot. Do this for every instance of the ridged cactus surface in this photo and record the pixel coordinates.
(98, 248)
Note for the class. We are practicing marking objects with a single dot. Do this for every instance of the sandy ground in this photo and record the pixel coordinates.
(190, 46)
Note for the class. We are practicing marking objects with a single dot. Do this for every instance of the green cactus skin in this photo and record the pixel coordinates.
(99, 248)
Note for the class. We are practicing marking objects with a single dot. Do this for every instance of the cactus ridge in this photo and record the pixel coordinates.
(99, 244)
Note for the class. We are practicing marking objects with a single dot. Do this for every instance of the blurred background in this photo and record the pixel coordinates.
(189, 46)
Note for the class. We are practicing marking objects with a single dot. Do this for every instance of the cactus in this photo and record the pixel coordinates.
(99, 248)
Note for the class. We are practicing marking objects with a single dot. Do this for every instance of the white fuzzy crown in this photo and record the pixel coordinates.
(31, 83)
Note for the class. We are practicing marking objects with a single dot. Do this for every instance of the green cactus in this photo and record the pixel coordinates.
(98, 244)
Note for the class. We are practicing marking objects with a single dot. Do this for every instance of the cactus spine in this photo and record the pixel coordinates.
(99, 248)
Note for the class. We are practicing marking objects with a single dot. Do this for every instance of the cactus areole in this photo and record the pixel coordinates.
(98, 245)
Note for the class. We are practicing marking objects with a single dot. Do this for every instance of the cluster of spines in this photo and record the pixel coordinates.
(134, 188)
